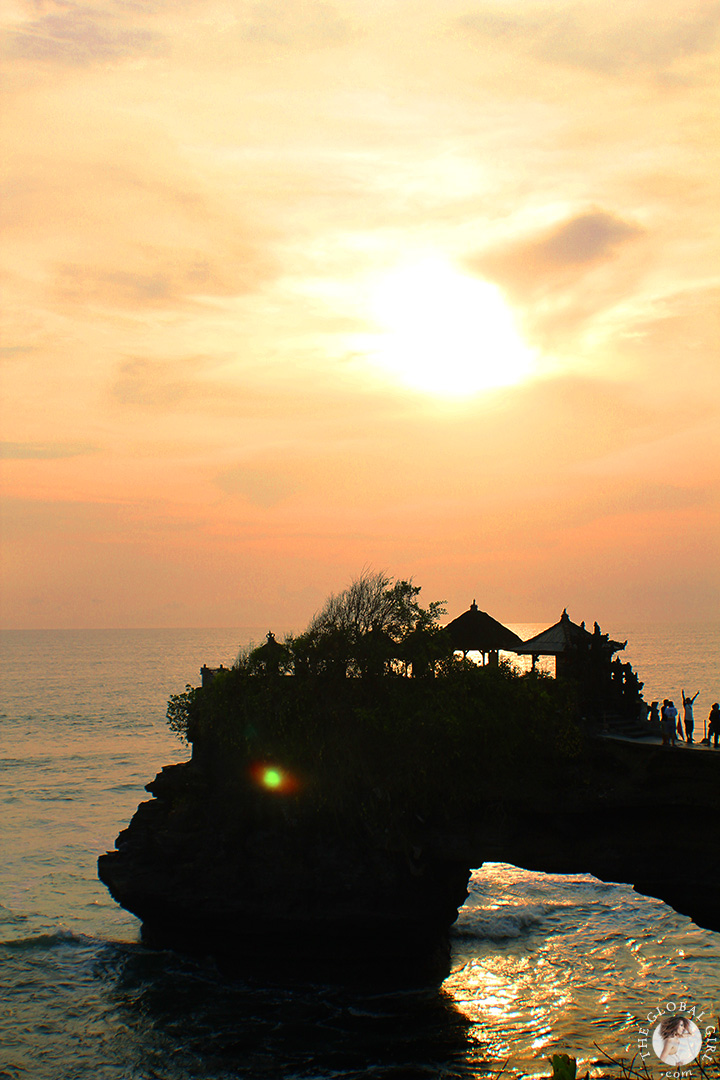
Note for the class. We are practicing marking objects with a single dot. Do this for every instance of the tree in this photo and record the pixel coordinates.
(374, 602)
(365, 626)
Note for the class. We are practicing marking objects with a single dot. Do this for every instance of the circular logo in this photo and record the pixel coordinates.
(676, 1040)
(677, 1033)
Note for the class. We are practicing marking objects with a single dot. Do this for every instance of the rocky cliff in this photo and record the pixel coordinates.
(637, 813)
(256, 877)
(274, 887)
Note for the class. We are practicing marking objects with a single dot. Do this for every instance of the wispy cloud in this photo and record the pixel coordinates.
(281, 22)
(584, 239)
(614, 41)
(159, 383)
(568, 248)
(561, 277)
(11, 352)
(160, 279)
(77, 35)
(19, 451)
(263, 486)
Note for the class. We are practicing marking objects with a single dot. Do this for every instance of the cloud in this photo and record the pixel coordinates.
(550, 429)
(157, 383)
(161, 278)
(284, 23)
(674, 346)
(584, 239)
(567, 275)
(617, 43)
(135, 231)
(572, 246)
(23, 451)
(583, 503)
(57, 518)
(261, 486)
(191, 384)
(76, 35)
(10, 352)
(157, 288)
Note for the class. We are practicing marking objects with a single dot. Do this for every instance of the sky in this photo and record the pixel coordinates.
(296, 289)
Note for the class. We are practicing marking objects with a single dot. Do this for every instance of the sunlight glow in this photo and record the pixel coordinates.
(445, 332)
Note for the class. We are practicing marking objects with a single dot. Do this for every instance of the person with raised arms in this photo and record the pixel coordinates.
(688, 718)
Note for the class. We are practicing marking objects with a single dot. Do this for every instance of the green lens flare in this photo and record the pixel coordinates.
(272, 778)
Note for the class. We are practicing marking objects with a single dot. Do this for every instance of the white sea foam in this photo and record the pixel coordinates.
(500, 923)
(47, 941)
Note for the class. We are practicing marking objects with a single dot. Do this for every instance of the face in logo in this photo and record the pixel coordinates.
(676, 1040)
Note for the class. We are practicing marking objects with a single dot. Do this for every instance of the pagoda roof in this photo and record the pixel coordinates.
(476, 631)
(567, 636)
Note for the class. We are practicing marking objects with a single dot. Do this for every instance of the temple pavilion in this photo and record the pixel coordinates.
(476, 631)
(571, 645)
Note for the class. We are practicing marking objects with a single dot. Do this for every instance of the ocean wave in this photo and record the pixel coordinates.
(11, 917)
(501, 923)
(43, 942)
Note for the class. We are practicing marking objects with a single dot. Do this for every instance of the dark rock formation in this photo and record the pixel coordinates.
(259, 880)
(285, 890)
(641, 814)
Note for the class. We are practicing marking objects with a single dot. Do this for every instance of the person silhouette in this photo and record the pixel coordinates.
(688, 718)
(668, 725)
(671, 715)
(714, 725)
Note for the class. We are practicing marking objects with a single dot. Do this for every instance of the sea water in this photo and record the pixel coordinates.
(542, 964)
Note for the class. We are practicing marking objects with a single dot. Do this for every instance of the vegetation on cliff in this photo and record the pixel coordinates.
(369, 716)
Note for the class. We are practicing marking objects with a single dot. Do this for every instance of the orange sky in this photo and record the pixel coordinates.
(291, 289)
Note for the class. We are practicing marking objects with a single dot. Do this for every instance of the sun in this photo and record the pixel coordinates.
(445, 333)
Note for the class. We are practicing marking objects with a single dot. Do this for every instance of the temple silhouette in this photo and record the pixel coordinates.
(608, 689)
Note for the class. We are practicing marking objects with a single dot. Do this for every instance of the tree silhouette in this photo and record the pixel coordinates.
(375, 625)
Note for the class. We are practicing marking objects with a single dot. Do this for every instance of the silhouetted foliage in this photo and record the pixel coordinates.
(376, 626)
(364, 742)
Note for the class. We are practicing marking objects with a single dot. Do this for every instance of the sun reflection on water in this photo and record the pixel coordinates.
(507, 997)
(547, 964)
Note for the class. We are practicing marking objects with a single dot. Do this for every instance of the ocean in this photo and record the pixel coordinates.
(542, 964)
